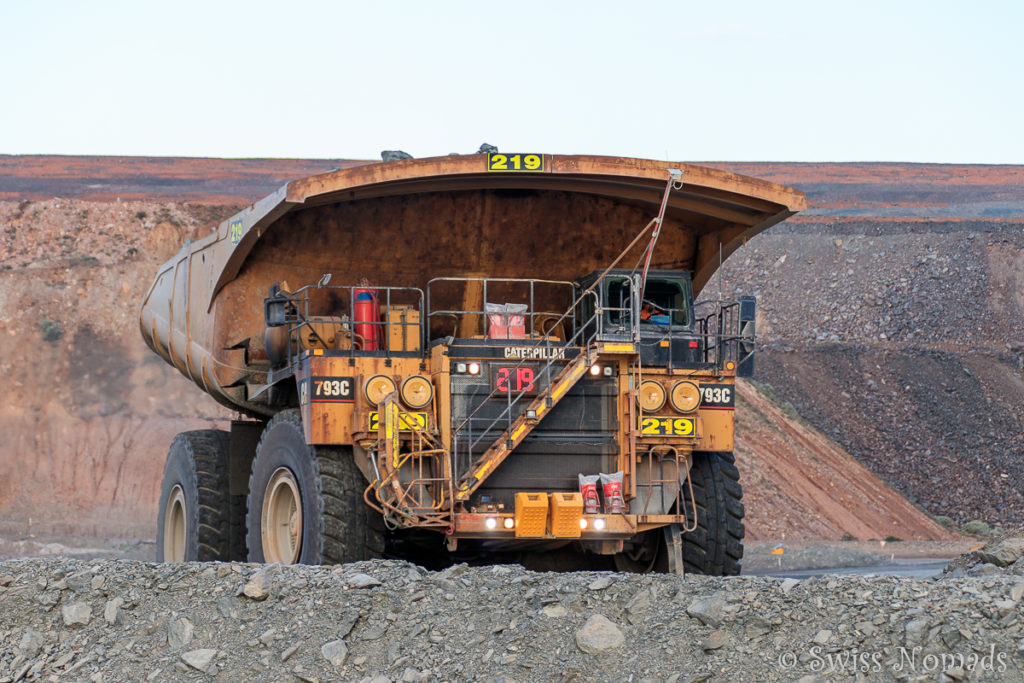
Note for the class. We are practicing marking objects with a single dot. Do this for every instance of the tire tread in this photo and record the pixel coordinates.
(347, 529)
(716, 546)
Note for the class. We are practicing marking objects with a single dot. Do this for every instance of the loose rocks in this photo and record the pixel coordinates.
(599, 635)
(199, 659)
(193, 622)
(1004, 553)
(335, 652)
(76, 614)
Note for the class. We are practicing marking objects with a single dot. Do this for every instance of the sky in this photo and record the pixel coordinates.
(684, 81)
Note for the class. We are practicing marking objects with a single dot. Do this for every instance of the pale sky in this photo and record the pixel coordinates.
(692, 81)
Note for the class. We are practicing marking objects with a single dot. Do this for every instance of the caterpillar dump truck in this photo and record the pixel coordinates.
(483, 353)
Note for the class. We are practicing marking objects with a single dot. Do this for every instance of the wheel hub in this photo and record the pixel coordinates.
(175, 526)
(282, 518)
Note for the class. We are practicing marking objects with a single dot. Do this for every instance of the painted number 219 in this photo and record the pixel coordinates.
(515, 162)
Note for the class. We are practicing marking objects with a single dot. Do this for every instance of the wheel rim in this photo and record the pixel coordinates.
(175, 518)
(281, 529)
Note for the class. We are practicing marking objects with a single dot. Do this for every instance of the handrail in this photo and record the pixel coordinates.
(300, 317)
(531, 305)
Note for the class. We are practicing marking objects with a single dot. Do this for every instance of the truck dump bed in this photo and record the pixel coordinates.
(404, 223)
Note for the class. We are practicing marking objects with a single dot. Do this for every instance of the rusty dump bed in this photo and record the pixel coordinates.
(404, 223)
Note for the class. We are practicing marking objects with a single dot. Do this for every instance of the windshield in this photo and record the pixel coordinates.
(664, 302)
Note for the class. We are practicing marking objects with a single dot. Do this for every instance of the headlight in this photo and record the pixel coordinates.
(651, 396)
(685, 396)
(377, 387)
(417, 391)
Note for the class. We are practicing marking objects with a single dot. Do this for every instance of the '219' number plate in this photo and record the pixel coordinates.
(515, 162)
(668, 426)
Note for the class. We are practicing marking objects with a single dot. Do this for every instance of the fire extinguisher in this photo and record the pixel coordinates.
(366, 312)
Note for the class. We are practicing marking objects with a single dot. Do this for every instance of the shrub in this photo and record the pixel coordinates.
(52, 331)
(976, 527)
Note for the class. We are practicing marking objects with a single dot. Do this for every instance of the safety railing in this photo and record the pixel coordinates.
(537, 323)
(357, 319)
(723, 335)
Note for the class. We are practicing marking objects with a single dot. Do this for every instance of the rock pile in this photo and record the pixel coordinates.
(904, 343)
(1003, 556)
(64, 619)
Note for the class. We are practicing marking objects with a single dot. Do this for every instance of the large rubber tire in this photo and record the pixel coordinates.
(194, 493)
(337, 525)
(716, 546)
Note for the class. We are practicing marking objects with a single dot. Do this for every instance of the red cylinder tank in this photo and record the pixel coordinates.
(366, 312)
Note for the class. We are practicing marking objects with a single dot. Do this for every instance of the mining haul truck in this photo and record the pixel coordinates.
(467, 354)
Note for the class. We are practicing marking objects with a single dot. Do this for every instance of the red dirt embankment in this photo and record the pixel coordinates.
(799, 484)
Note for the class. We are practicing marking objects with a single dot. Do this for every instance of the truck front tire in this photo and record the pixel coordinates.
(305, 503)
(198, 519)
(716, 546)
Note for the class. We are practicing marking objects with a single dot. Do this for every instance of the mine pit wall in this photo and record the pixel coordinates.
(904, 343)
(87, 411)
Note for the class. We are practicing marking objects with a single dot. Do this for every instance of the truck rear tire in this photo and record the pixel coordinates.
(198, 518)
(306, 503)
(716, 546)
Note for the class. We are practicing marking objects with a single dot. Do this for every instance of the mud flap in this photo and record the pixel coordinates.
(674, 549)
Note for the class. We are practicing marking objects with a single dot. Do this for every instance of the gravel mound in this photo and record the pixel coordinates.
(901, 342)
(1001, 556)
(66, 619)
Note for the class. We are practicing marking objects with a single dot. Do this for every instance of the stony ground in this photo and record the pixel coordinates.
(118, 620)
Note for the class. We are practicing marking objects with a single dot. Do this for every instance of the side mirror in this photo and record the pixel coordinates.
(275, 308)
(275, 312)
(747, 344)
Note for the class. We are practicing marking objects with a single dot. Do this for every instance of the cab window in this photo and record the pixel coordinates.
(663, 301)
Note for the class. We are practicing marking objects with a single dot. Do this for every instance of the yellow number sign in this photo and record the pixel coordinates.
(667, 426)
(405, 421)
(515, 162)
